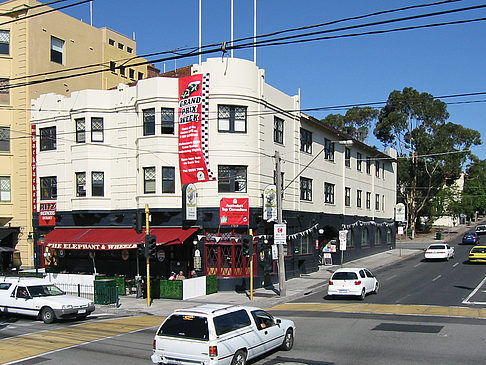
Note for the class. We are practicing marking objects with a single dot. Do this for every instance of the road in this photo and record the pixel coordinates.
(424, 313)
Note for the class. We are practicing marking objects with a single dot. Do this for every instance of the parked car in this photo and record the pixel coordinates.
(440, 251)
(481, 229)
(220, 334)
(41, 299)
(352, 281)
(477, 254)
(470, 238)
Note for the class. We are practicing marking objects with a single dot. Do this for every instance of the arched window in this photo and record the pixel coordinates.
(377, 236)
(365, 237)
(349, 239)
(389, 235)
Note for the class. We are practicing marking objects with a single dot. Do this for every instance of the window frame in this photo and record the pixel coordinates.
(48, 187)
(278, 130)
(5, 139)
(359, 198)
(148, 116)
(232, 119)
(329, 193)
(95, 186)
(79, 184)
(368, 165)
(96, 132)
(347, 156)
(359, 161)
(167, 125)
(149, 183)
(168, 179)
(80, 130)
(4, 90)
(305, 140)
(368, 200)
(57, 55)
(305, 189)
(329, 150)
(347, 196)
(304, 245)
(237, 175)
(47, 139)
(365, 237)
(377, 201)
(5, 45)
(5, 189)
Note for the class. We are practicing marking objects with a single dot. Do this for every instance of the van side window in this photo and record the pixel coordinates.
(22, 292)
(231, 321)
(4, 286)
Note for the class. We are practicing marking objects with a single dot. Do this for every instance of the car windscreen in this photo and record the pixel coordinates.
(344, 276)
(185, 326)
(44, 290)
(437, 247)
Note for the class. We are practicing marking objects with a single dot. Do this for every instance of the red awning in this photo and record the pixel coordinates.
(111, 238)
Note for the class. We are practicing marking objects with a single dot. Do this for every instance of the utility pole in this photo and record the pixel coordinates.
(251, 264)
(147, 232)
(281, 262)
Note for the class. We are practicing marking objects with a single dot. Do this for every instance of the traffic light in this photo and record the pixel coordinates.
(150, 245)
(247, 245)
(140, 249)
(138, 224)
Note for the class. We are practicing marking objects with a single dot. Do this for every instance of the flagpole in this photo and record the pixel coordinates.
(200, 30)
(232, 27)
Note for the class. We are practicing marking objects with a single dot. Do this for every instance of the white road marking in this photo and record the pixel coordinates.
(437, 277)
(455, 264)
(466, 301)
(417, 265)
(390, 277)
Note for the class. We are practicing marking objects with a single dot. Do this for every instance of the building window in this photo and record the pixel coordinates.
(4, 42)
(80, 184)
(129, 49)
(359, 161)
(121, 46)
(122, 70)
(358, 198)
(149, 180)
(347, 197)
(167, 120)
(231, 119)
(377, 168)
(111, 42)
(383, 171)
(389, 235)
(48, 188)
(57, 50)
(347, 157)
(377, 237)
(112, 66)
(305, 189)
(140, 75)
(304, 245)
(364, 237)
(4, 91)
(377, 201)
(168, 179)
(368, 165)
(305, 140)
(4, 139)
(80, 130)
(328, 193)
(48, 138)
(148, 122)
(328, 150)
(5, 189)
(131, 73)
(96, 129)
(97, 183)
(349, 239)
(368, 200)
(231, 179)
(278, 130)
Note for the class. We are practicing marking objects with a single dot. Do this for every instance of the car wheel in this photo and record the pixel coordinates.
(363, 294)
(288, 342)
(47, 315)
(239, 358)
(377, 286)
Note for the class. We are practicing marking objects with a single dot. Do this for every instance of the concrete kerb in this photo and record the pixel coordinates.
(296, 287)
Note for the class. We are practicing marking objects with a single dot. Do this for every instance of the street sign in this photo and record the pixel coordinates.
(274, 252)
(343, 234)
(400, 212)
(280, 234)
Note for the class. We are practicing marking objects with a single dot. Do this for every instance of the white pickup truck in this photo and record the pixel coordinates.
(41, 299)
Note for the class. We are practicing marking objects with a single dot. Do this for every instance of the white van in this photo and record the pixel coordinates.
(220, 334)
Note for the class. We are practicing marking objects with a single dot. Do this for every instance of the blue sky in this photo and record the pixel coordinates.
(441, 60)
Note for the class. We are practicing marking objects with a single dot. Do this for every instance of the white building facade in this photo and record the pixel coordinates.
(101, 155)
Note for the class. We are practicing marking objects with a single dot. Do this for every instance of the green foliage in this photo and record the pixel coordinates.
(432, 151)
(474, 193)
(355, 123)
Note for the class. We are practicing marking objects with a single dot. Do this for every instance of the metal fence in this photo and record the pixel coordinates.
(79, 290)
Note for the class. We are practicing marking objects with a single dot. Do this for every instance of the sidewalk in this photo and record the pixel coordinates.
(296, 287)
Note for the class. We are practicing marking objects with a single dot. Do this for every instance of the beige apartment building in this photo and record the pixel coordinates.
(44, 51)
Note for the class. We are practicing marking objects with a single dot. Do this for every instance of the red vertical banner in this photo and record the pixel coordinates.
(34, 168)
(193, 129)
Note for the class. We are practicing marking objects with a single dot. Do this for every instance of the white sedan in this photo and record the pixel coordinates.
(352, 281)
(439, 251)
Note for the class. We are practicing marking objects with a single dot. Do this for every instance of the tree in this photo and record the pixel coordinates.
(432, 151)
(474, 192)
(355, 123)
